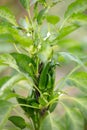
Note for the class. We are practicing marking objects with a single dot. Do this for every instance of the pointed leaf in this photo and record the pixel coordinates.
(18, 121)
(80, 19)
(67, 30)
(41, 16)
(6, 14)
(25, 3)
(76, 7)
(5, 109)
(71, 57)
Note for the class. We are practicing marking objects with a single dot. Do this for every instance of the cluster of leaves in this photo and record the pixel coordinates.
(34, 62)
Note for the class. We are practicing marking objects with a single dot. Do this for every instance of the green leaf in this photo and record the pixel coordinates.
(79, 102)
(47, 77)
(78, 80)
(43, 76)
(20, 62)
(5, 34)
(76, 7)
(80, 19)
(53, 19)
(71, 57)
(15, 36)
(5, 110)
(9, 84)
(20, 38)
(4, 27)
(8, 94)
(42, 15)
(49, 123)
(18, 121)
(74, 119)
(72, 46)
(3, 80)
(7, 59)
(22, 101)
(25, 3)
(6, 14)
(67, 30)
(25, 63)
(6, 38)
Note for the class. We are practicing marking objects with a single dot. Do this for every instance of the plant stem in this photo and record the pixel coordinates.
(25, 105)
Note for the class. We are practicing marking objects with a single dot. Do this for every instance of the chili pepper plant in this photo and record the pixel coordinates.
(41, 46)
